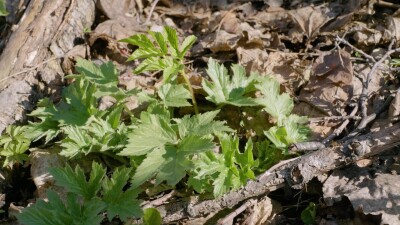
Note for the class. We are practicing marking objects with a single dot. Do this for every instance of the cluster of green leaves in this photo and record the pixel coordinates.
(221, 173)
(238, 91)
(83, 126)
(86, 199)
(229, 90)
(14, 144)
(159, 145)
(289, 127)
(170, 144)
(163, 54)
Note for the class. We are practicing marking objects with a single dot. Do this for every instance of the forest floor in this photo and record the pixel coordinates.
(339, 60)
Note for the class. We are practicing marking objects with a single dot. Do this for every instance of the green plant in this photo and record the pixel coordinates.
(309, 213)
(225, 90)
(86, 199)
(224, 172)
(160, 145)
(14, 145)
(166, 55)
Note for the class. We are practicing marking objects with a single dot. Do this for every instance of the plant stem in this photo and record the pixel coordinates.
(196, 110)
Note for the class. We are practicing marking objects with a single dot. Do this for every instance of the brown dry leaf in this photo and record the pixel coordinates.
(330, 88)
(366, 36)
(119, 29)
(230, 23)
(278, 19)
(221, 41)
(378, 194)
(252, 59)
(310, 19)
(287, 68)
(114, 9)
(394, 27)
(263, 212)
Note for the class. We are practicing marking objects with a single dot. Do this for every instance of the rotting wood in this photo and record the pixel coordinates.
(296, 173)
(48, 29)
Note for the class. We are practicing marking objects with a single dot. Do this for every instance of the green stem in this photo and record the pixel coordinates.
(196, 110)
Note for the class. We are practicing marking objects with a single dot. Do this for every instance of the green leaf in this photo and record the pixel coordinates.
(228, 170)
(172, 37)
(308, 214)
(295, 130)
(174, 95)
(120, 202)
(144, 53)
(186, 45)
(139, 40)
(3, 10)
(224, 90)
(75, 180)
(105, 74)
(174, 166)
(160, 41)
(149, 167)
(267, 155)
(149, 135)
(195, 144)
(55, 212)
(171, 71)
(277, 135)
(152, 217)
(14, 145)
(277, 105)
(201, 124)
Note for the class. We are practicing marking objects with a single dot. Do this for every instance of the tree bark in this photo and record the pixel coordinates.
(31, 61)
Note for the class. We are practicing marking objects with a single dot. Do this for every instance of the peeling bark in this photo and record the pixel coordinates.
(32, 57)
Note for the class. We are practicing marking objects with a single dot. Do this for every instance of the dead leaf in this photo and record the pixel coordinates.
(393, 24)
(254, 59)
(378, 194)
(330, 88)
(221, 41)
(230, 23)
(310, 19)
(114, 9)
(119, 29)
(263, 212)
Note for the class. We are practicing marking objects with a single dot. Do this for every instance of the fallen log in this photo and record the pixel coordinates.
(295, 173)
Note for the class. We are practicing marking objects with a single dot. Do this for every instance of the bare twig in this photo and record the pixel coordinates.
(306, 146)
(366, 120)
(341, 40)
(364, 94)
(340, 129)
(332, 118)
(229, 218)
(159, 201)
(153, 6)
